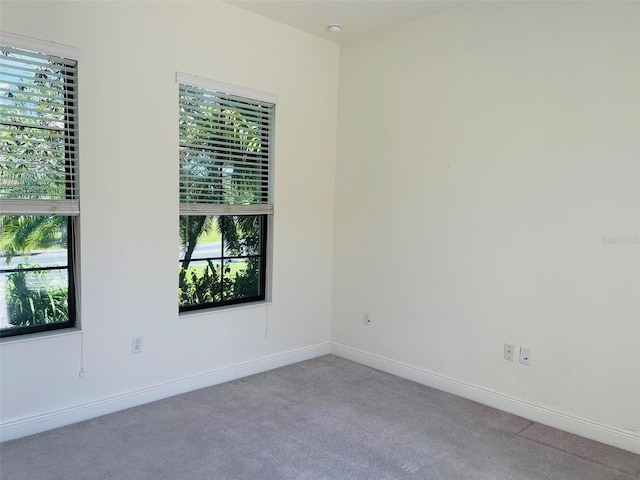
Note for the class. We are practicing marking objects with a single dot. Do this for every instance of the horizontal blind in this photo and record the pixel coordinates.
(226, 144)
(38, 132)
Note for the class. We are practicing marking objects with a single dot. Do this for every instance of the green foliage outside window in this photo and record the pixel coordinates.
(28, 306)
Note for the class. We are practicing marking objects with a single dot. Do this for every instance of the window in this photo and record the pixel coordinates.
(39, 201)
(226, 152)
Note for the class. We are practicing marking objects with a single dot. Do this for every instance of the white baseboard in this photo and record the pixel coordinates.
(12, 429)
(617, 437)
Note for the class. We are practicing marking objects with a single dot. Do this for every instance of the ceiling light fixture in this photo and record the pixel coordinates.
(334, 28)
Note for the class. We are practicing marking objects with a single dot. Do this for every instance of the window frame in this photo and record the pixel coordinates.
(262, 296)
(71, 289)
(67, 207)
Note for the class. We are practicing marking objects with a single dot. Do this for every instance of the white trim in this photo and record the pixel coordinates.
(40, 46)
(216, 86)
(17, 428)
(617, 437)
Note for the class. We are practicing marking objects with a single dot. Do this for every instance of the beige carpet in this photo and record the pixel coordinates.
(326, 418)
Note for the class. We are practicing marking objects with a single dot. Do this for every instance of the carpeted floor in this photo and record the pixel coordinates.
(326, 418)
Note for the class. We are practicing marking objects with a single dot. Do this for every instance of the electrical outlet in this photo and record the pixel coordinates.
(524, 355)
(136, 345)
(366, 318)
(508, 352)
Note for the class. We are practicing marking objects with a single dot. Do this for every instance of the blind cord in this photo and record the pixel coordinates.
(76, 273)
(81, 372)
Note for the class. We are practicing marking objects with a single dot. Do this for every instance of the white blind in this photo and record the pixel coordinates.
(226, 144)
(38, 131)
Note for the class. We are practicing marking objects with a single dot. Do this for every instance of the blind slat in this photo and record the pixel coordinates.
(188, 175)
(26, 111)
(194, 178)
(41, 127)
(192, 133)
(220, 151)
(229, 112)
(197, 117)
(11, 65)
(38, 57)
(191, 125)
(54, 81)
(39, 207)
(209, 209)
(38, 149)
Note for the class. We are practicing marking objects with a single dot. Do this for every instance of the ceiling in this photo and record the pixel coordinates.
(358, 17)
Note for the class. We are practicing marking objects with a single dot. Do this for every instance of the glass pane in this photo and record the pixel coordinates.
(242, 278)
(53, 257)
(242, 235)
(33, 241)
(199, 283)
(199, 238)
(33, 297)
(34, 279)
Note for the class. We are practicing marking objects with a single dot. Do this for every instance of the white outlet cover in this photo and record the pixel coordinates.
(508, 352)
(136, 345)
(524, 355)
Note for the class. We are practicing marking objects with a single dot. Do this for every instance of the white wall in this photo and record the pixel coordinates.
(129, 55)
(484, 154)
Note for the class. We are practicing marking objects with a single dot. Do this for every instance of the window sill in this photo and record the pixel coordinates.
(30, 337)
(225, 309)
